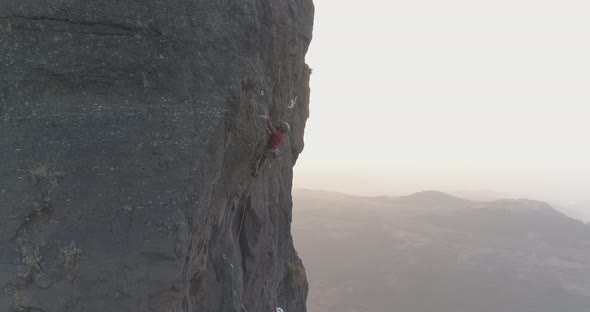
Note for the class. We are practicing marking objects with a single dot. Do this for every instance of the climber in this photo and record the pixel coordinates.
(273, 143)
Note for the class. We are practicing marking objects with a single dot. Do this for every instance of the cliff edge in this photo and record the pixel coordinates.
(128, 132)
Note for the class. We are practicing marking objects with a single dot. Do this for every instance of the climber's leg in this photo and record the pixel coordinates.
(256, 165)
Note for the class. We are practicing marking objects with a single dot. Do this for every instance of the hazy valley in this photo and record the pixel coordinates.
(435, 252)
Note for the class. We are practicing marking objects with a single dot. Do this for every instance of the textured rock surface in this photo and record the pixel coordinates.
(127, 131)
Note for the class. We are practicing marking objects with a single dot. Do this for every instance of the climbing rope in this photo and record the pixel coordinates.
(234, 292)
(244, 209)
(227, 260)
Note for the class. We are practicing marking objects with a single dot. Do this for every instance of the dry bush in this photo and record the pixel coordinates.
(17, 300)
(47, 173)
(31, 257)
(70, 255)
(296, 271)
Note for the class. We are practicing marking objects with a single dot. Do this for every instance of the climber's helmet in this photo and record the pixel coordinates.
(285, 127)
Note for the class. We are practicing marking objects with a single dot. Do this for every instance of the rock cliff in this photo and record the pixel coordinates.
(127, 134)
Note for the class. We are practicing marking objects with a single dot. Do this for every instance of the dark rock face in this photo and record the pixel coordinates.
(127, 133)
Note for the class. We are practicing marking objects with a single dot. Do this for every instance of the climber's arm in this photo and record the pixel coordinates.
(269, 126)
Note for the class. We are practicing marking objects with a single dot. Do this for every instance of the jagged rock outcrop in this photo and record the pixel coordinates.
(127, 132)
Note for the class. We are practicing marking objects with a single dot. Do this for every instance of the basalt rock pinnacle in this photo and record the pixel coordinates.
(127, 135)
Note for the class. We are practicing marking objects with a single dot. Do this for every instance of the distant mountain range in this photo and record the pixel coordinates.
(434, 252)
(576, 209)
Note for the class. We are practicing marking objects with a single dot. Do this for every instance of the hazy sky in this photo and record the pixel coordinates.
(449, 95)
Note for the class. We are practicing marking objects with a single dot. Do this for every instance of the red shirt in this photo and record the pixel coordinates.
(275, 140)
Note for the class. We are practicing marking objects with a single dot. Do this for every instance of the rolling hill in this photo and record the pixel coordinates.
(431, 251)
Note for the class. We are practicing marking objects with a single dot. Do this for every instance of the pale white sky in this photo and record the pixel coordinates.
(449, 95)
